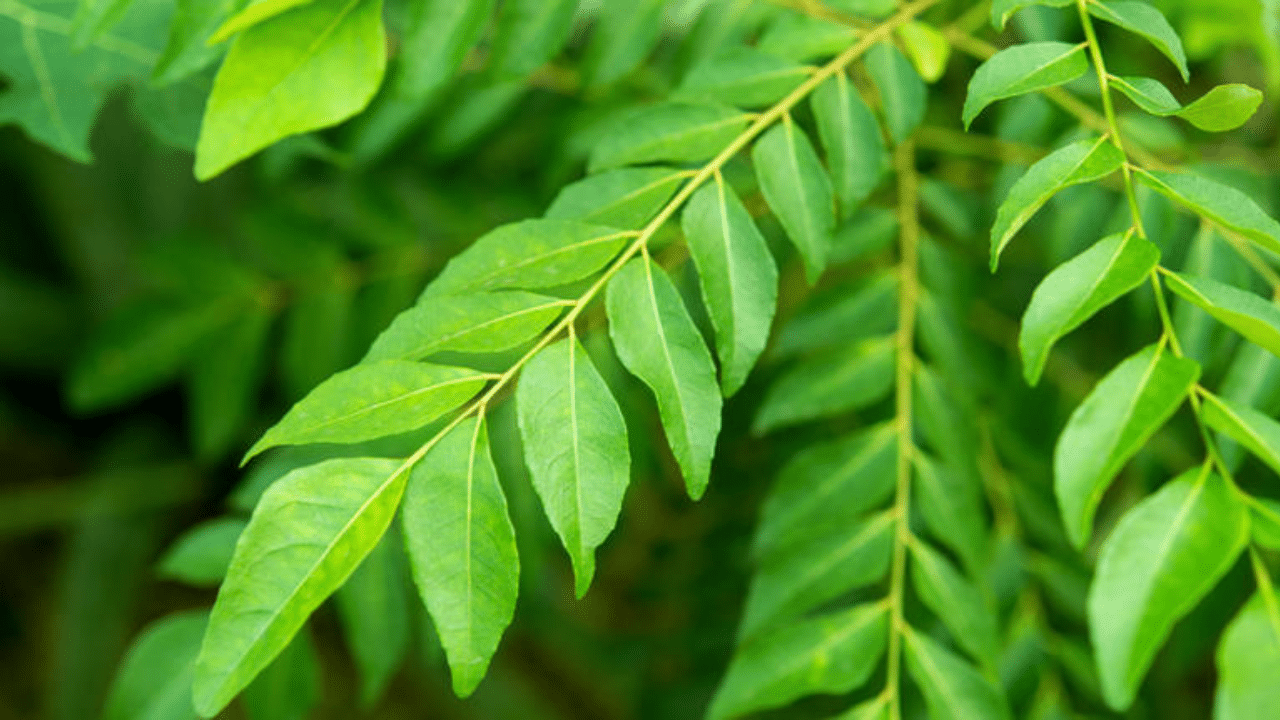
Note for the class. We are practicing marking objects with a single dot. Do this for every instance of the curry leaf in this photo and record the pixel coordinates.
(1145, 20)
(851, 137)
(1022, 69)
(1248, 314)
(475, 323)
(1218, 203)
(952, 688)
(798, 190)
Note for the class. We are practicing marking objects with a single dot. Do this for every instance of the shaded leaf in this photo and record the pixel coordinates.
(851, 138)
(903, 94)
(289, 688)
(473, 323)
(1218, 203)
(669, 132)
(1022, 69)
(626, 198)
(624, 35)
(225, 379)
(201, 555)
(952, 688)
(798, 190)
(187, 51)
(373, 606)
(528, 33)
(154, 680)
(840, 316)
(1002, 10)
(743, 77)
(957, 602)
(836, 381)
(952, 510)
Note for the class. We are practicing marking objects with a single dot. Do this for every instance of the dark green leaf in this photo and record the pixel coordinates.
(1022, 69)
(625, 33)
(187, 51)
(528, 33)
(952, 510)
(224, 382)
(851, 138)
(798, 190)
(154, 681)
(952, 688)
(840, 316)
(743, 77)
(373, 606)
(473, 323)
(289, 688)
(957, 602)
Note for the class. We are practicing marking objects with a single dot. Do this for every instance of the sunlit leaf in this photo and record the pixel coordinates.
(1248, 656)
(1145, 20)
(1248, 314)
(1021, 69)
(1219, 203)
(798, 190)
(474, 322)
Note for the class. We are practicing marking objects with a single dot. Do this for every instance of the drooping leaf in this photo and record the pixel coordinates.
(1248, 314)
(669, 132)
(474, 322)
(303, 70)
(743, 77)
(1248, 656)
(1145, 20)
(903, 94)
(626, 198)
(833, 382)
(957, 602)
(952, 688)
(307, 535)
(463, 550)
(1223, 108)
(154, 680)
(1080, 162)
(575, 444)
(201, 555)
(798, 190)
(1002, 10)
(927, 48)
(1021, 69)
(737, 275)
(624, 35)
(1218, 203)
(1122, 412)
(372, 401)
(373, 606)
(528, 33)
(1254, 430)
(289, 688)
(1078, 289)
(1164, 555)
(851, 138)
(657, 342)
(833, 653)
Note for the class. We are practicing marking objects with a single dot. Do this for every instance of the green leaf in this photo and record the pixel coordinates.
(1218, 203)
(833, 653)
(903, 94)
(737, 275)
(257, 12)
(657, 342)
(836, 381)
(743, 77)
(304, 70)
(928, 49)
(187, 50)
(668, 132)
(528, 33)
(1254, 317)
(625, 33)
(438, 35)
(952, 689)
(1223, 108)
(877, 709)
(1248, 656)
(802, 38)
(1076, 290)
(372, 401)
(851, 138)
(1124, 410)
(463, 550)
(473, 323)
(952, 510)
(201, 555)
(798, 190)
(626, 198)
(373, 606)
(531, 254)
(154, 680)
(843, 314)
(1080, 162)
(1254, 430)
(224, 382)
(1144, 20)
(289, 688)
(1266, 523)
(1022, 69)
(1150, 95)
(316, 328)
(308, 533)
(1002, 10)
(957, 602)
(1164, 555)
(575, 444)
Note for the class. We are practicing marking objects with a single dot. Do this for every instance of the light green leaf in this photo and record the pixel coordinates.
(201, 555)
(1218, 203)
(473, 323)
(626, 198)
(797, 188)
(1254, 430)
(737, 275)
(289, 688)
(802, 38)
(1080, 162)
(669, 132)
(372, 401)
(625, 33)
(575, 444)
(188, 51)
(927, 48)
(1150, 95)
(743, 77)
(1078, 289)
(304, 70)
(528, 33)
(1223, 108)
(1248, 656)
(1266, 523)
(1164, 555)
(952, 688)
(463, 550)
(373, 606)
(832, 653)
(1125, 409)
(1022, 69)
(531, 254)
(1002, 10)
(836, 381)
(657, 342)
(257, 12)
(1144, 20)
(952, 510)
(903, 94)
(851, 138)
(957, 602)
(308, 533)
(1254, 317)
(154, 680)
(224, 382)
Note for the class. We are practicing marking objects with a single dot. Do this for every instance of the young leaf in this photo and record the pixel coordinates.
(952, 688)
(1254, 430)
(1218, 203)
(201, 556)
(626, 198)
(1145, 20)
(743, 77)
(1002, 10)
(737, 275)
(903, 94)
(836, 381)
(475, 323)
(308, 533)
(657, 342)
(1164, 555)
(463, 550)
(1125, 409)
(531, 254)
(851, 138)
(1078, 289)
(797, 188)
(1022, 69)
(832, 653)
(289, 688)
(957, 602)
(1257, 319)
(372, 401)
(670, 132)
(154, 680)
(928, 49)
(1248, 656)
(575, 444)
(307, 69)
(373, 606)
(1223, 108)
(528, 33)
(257, 12)
(1080, 162)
